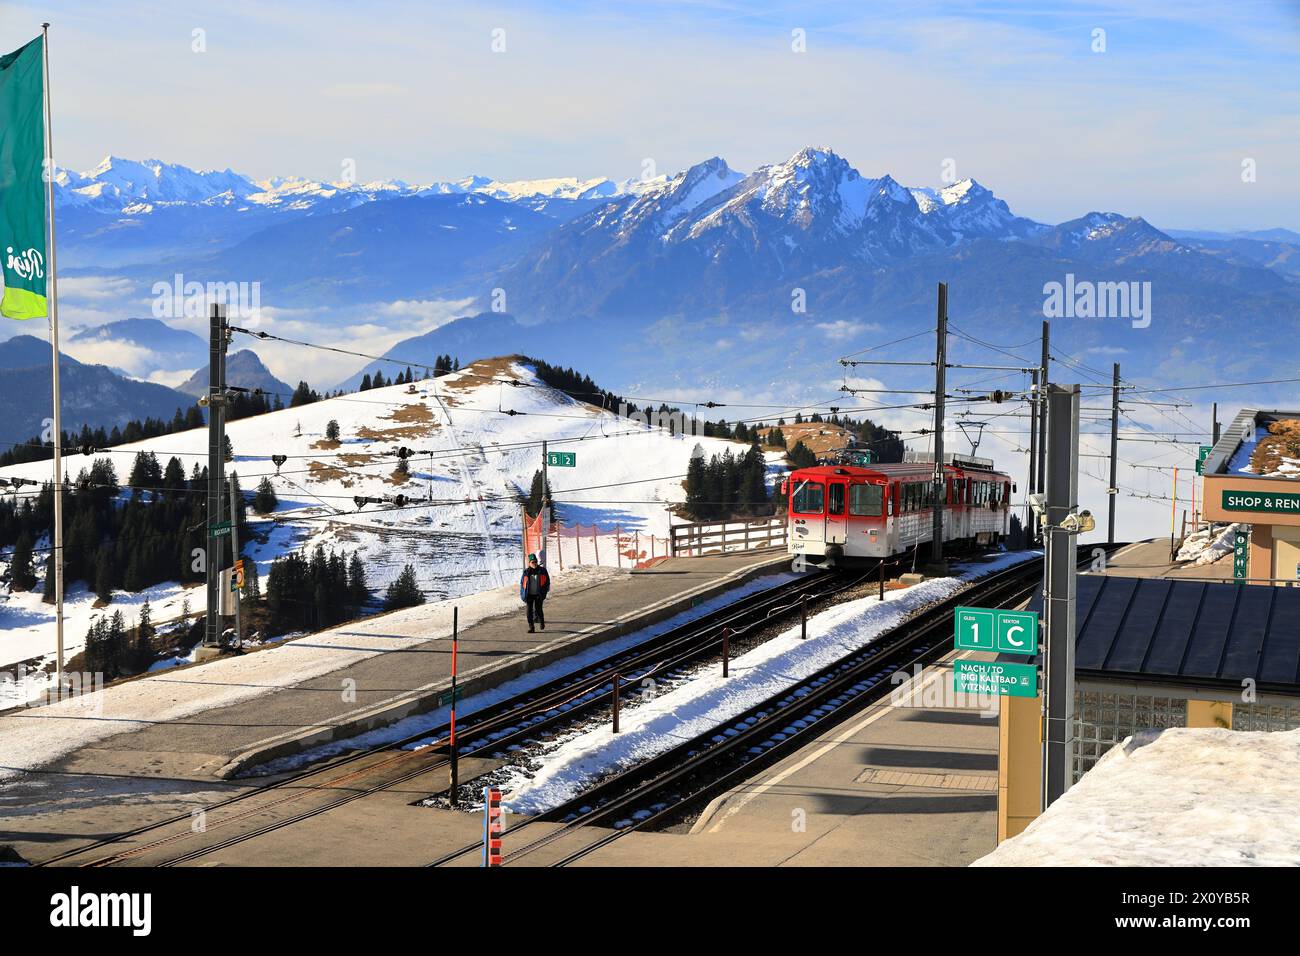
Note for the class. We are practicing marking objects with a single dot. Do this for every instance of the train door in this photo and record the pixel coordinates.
(807, 510)
(837, 492)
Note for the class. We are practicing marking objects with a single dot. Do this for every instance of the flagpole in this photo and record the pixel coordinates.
(57, 553)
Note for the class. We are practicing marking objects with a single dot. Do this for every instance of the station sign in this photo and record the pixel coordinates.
(987, 678)
(219, 530)
(1280, 502)
(1240, 554)
(562, 459)
(1002, 632)
(1200, 458)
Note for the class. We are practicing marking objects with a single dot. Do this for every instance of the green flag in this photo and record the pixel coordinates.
(22, 186)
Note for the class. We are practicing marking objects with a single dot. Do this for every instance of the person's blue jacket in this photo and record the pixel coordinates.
(543, 583)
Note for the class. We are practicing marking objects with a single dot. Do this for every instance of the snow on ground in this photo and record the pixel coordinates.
(462, 528)
(33, 737)
(1178, 797)
(650, 724)
(1207, 545)
(469, 706)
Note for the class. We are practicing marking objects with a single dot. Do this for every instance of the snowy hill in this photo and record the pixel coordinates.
(461, 524)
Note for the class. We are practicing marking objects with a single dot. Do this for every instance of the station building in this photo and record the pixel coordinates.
(1156, 652)
(1252, 475)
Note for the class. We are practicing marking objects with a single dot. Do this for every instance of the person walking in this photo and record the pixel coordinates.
(533, 587)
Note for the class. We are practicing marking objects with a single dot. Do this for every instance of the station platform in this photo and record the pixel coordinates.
(903, 783)
(153, 749)
(1150, 559)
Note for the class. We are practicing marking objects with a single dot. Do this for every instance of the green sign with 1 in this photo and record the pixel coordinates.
(1003, 632)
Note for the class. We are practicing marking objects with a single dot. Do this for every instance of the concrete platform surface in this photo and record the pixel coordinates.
(153, 771)
(906, 782)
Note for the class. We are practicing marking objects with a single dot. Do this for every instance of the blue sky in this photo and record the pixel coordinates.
(1158, 124)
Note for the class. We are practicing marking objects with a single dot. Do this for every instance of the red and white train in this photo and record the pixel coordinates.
(838, 513)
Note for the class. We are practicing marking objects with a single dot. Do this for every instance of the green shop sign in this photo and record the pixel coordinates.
(1278, 502)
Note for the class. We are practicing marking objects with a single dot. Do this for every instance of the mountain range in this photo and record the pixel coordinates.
(788, 265)
(92, 395)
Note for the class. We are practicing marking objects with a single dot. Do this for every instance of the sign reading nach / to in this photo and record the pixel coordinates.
(1273, 501)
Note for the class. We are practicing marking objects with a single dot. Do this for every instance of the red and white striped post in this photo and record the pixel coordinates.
(492, 826)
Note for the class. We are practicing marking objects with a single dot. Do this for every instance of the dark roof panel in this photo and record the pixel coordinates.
(1103, 623)
(1195, 632)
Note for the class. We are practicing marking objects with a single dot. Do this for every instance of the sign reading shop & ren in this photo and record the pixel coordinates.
(1277, 502)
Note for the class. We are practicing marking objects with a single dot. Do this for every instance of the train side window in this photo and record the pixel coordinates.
(807, 499)
(836, 505)
(866, 501)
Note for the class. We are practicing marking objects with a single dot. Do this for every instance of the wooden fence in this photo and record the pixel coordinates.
(717, 537)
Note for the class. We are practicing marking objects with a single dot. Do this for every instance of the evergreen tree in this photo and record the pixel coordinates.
(801, 456)
(142, 651)
(752, 494)
(358, 592)
(104, 576)
(365, 382)
(537, 497)
(696, 487)
(332, 430)
(21, 575)
(265, 501)
(403, 592)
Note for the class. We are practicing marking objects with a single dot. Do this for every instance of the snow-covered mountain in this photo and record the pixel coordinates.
(969, 210)
(460, 523)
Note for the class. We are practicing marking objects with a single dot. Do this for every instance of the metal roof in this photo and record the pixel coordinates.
(1187, 632)
(1230, 439)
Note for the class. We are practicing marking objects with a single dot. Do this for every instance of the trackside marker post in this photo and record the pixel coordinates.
(455, 640)
(492, 826)
(726, 650)
(617, 678)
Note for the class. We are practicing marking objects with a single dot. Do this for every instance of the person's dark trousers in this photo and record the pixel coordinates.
(535, 610)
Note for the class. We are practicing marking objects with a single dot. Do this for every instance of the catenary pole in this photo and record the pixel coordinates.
(216, 470)
(1113, 491)
(1031, 486)
(234, 560)
(53, 288)
(940, 385)
(1059, 599)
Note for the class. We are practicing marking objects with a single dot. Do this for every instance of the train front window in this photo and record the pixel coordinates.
(866, 501)
(808, 499)
(836, 506)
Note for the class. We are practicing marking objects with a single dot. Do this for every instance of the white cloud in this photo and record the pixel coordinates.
(843, 330)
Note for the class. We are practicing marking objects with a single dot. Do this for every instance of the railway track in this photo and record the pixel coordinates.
(546, 709)
(699, 769)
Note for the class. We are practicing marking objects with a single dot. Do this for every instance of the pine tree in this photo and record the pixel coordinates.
(104, 577)
(265, 501)
(696, 487)
(358, 592)
(801, 456)
(753, 480)
(21, 576)
(403, 592)
(142, 652)
(365, 382)
(116, 650)
(537, 497)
